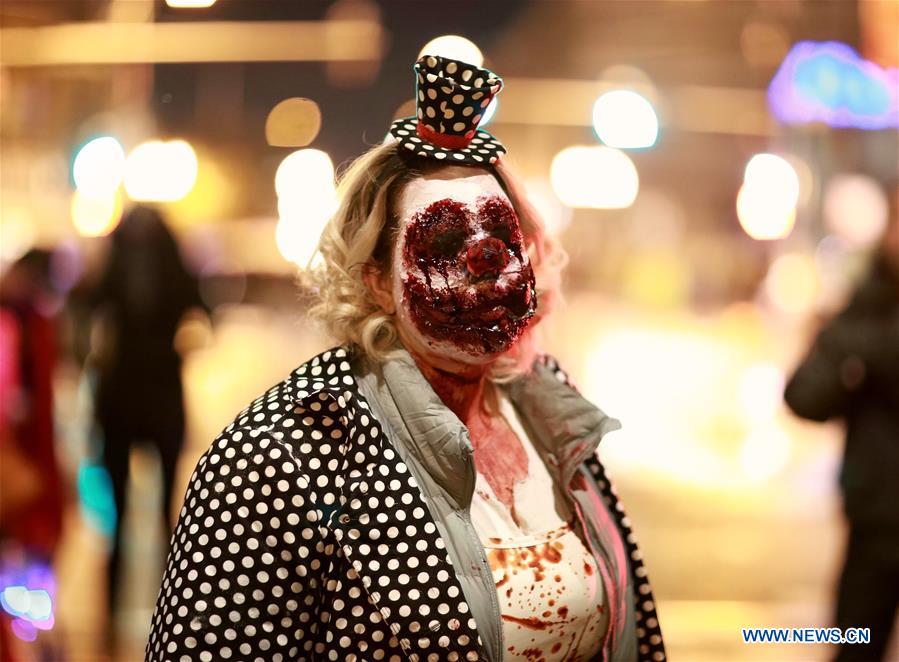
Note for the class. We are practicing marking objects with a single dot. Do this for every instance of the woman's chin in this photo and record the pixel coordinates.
(455, 352)
(447, 356)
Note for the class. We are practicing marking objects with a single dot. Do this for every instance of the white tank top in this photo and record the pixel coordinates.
(550, 591)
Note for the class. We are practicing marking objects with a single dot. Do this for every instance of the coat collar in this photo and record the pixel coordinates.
(565, 427)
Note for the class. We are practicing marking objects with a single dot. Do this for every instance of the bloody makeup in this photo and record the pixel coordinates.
(467, 281)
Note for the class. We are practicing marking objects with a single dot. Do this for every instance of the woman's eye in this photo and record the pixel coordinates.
(448, 243)
(503, 232)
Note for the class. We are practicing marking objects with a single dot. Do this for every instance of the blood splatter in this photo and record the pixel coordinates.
(563, 629)
(533, 655)
(532, 558)
(532, 622)
(578, 482)
(551, 554)
(499, 457)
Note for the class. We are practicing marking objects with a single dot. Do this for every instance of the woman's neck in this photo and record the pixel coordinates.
(461, 390)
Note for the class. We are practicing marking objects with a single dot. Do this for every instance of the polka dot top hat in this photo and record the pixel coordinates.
(451, 99)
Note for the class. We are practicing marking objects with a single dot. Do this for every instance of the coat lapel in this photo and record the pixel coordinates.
(386, 532)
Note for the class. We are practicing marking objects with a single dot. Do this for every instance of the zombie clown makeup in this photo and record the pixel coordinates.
(462, 278)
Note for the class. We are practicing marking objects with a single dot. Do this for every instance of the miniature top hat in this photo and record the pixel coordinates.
(451, 98)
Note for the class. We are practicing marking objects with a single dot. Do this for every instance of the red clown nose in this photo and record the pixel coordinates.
(487, 256)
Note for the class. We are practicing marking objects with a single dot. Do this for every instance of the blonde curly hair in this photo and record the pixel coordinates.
(362, 232)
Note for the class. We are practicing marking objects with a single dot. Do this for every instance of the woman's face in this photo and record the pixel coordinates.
(462, 283)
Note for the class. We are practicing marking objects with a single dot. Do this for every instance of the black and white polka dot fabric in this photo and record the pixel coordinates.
(304, 536)
(451, 100)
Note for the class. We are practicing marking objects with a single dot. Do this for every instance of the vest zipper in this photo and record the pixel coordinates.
(487, 581)
(486, 573)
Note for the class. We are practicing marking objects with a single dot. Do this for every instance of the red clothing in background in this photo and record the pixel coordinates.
(27, 360)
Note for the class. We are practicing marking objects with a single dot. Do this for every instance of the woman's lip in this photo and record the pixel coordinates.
(489, 304)
(488, 311)
(469, 319)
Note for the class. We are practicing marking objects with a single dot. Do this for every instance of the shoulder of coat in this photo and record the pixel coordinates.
(550, 362)
(319, 390)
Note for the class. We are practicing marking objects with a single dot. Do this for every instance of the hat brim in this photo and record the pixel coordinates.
(482, 149)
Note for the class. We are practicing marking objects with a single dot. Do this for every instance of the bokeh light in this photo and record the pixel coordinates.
(27, 594)
(761, 391)
(95, 497)
(454, 47)
(792, 283)
(594, 177)
(762, 217)
(622, 372)
(293, 122)
(764, 452)
(96, 216)
(304, 171)
(766, 203)
(300, 225)
(33, 604)
(158, 171)
(99, 167)
(775, 174)
(855, 208)
(18, 234)
(214, 196)
(625, 119)
(830, 82)
(307, 198)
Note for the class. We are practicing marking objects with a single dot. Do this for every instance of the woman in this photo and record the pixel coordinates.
(427, 490)
(143, 294)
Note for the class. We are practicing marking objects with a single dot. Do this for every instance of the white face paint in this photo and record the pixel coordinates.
(461, 278)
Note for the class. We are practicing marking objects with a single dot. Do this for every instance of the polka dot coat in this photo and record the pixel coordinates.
(303, 536)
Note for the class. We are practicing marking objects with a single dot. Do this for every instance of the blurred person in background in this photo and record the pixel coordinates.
(852, 372)
(31, 492)
(143, 293)
(430, 488)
